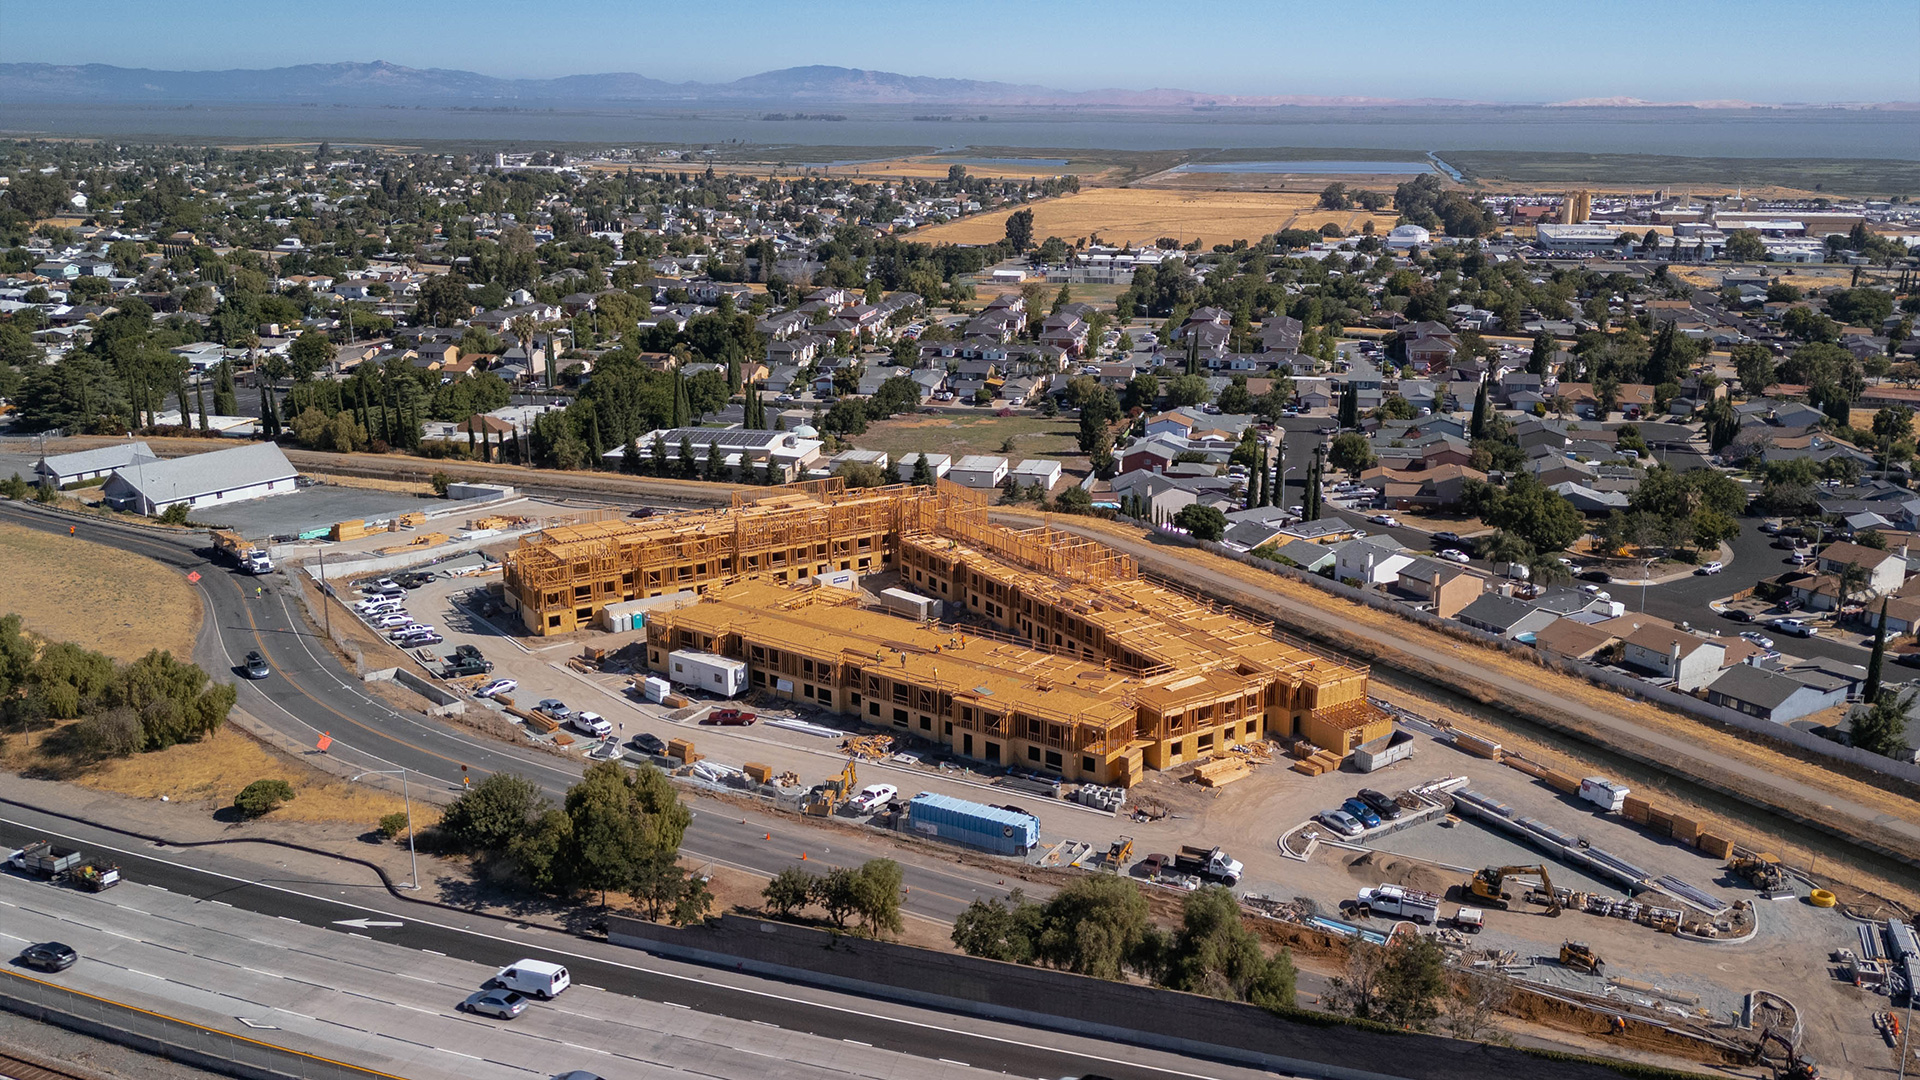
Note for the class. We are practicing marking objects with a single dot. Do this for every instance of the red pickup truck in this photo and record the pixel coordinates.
(729, 718)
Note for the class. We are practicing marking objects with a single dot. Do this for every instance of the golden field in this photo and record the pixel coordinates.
(96, 596)
(1138, 216)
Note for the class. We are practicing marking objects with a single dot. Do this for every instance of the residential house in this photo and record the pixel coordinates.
(1886, 570)
(1447, 587)
(1688, 660)
(1771, 695)
(978, 471)
(939, 464)
(1506, 617)
(1369, 560)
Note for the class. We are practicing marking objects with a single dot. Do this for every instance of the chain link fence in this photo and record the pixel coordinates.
(166, 1037)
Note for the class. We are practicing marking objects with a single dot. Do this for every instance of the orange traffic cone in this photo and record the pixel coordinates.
(803, 856)
(769, 836)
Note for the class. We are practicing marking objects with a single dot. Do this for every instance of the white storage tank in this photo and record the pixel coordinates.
(707, 671)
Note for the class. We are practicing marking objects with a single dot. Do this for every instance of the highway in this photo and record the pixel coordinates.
(378, 988)
(311, 694)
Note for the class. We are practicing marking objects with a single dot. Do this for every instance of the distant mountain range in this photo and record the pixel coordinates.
(382, 83)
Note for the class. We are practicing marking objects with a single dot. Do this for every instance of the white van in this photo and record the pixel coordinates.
(536, 977)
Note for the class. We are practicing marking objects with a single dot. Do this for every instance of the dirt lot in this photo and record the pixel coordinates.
(1139, 216)
(983, 434)
(95, 596)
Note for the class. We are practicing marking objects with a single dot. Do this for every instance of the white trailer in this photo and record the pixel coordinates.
(708, 671)
(1604, 793)
(911, 605)
(1421, 907)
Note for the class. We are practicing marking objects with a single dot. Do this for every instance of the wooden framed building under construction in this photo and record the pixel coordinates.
(1067, 661)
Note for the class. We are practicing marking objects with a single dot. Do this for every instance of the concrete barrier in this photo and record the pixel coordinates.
(1304, 1044)
(444, 703)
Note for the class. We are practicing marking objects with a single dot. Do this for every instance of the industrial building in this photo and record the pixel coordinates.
(59, 470)
(1067, 662)
(1576, 238)
(1577, 208)
(201, 480)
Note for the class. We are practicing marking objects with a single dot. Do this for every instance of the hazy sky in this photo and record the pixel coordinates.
(1501, 50)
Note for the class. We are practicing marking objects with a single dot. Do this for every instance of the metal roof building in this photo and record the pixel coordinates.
(201, 480)
(62, 469)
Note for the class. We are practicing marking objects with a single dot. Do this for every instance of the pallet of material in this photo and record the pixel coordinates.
(348, 530)
(758, 773)
(1531, 768)
(1477, 746)
(1560, 781)
(1635, 810)
(412, 519)
(1685, 830)
(1720, 847)
(682, 750)
(425, 540)
(1309, 767)
(1221, 772)
(1257, 753)
(563, 739)
(868, 747)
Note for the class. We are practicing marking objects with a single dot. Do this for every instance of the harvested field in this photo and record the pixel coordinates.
(78, 591)
(1139, 216)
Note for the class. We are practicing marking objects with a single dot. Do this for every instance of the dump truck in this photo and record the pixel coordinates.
(46, 859)
(1421, 907)
(1213, 864)
(1581, 957)
(241, 551)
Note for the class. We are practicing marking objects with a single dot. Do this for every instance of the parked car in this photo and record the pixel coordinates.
(1713, 567)
(1341, 822)
(1738, 615)
(1796, 627)
(428, 638)
(873, 797)
(49, 956)
(1383, 519)
(1453, 556)
(1907, 659)
(499, 1004)
(591, 723)
(497, 686)
(1446, 538)
(729, 718)
(554, 708)
(257, 666)
(648, 743)
(1798, 558)
(391, 619)
(1361, 812)
(1153, 864)
(1758, 638)
(1380, 803)
(1600, 576)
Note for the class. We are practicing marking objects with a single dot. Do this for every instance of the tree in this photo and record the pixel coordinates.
(789, 891)
(1881, 727)
(1020, 230)
(1334, 197)
(1542, 518)
(877, 897)
(309, 354)
(839, 894)
(1744, 245)
(262, 797)
(1097, 926)
(922, 471)
(1214, 953)
(1352, 453)
(1184, 390)
(487, 817)
(619, 818)
(999, 931)
(1871, 691)
(1202, 522)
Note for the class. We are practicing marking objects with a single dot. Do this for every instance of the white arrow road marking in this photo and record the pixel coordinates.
(363, 924)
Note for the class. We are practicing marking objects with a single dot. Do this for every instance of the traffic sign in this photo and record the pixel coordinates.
(193, 575)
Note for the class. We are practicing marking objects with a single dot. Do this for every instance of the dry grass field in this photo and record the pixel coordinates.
(95, 596)
(1139, 216)
(213, 770)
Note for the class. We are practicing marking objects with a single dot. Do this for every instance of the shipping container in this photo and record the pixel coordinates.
(911, 605)
(1003, 832)
(707, 671)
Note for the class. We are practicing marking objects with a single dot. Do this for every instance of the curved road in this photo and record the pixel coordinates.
(310, 694)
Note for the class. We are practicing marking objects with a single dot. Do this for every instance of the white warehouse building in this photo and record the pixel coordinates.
(1576, 238)
(201, 480)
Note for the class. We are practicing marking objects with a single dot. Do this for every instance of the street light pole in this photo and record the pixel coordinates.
(326, 594)
(406, 796)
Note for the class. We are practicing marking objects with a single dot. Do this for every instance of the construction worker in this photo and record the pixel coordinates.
(71, 531)
(258, 592)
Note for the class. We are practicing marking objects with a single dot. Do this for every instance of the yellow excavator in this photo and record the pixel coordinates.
(1485, 888)
(822, 801)
(1796, 1067)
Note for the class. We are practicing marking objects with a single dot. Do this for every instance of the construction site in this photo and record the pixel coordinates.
(1060, 658)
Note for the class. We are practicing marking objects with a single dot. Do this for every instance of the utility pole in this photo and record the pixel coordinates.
(326, 595)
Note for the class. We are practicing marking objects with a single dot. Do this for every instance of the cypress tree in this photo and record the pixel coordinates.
(200, 392)
(1477, 427)
(1871, 692)
(659, 455)
(1312, 505)
(682, 410)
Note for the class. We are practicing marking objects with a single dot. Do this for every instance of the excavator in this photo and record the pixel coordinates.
(822, 801)
(1796, 1068)
(1485, 887)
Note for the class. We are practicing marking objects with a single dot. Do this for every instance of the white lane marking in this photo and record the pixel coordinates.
(662, 973)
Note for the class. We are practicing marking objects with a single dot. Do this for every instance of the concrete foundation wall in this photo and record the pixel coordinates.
(1040, 997)
(444, 703)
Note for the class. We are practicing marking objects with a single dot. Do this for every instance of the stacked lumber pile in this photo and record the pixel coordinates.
(1221, 772)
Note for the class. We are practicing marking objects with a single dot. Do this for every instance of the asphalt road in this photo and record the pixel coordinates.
(309, 695)
(495, 943)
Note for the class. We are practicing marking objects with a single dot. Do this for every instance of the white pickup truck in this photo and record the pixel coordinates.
(1421, 907)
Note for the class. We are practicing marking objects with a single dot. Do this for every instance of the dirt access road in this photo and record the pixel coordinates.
(1801, 791)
